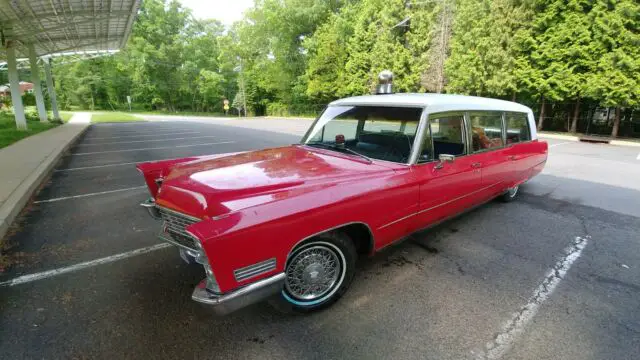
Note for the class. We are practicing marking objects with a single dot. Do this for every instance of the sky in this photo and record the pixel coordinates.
(227, 11)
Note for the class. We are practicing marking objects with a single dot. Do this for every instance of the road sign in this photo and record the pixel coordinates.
(225, 102)
(226, 107)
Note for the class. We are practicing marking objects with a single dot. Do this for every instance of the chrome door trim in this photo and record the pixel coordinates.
(439, 205)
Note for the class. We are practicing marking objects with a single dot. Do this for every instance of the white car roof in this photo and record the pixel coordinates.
(437, 103)
(434, 102)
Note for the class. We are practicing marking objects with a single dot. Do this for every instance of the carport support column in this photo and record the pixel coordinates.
(51, 89)
(14, 85)
(37, 86)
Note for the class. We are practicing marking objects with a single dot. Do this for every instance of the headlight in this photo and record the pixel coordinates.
(212, 283)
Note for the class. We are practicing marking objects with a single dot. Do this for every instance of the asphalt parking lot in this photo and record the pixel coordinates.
(553, 275)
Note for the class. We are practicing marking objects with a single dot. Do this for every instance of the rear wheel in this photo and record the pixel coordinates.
(317, 274)
(510, 195)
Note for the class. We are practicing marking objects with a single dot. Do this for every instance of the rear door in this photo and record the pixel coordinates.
(518, 136)
(446, 188)
(488, 151)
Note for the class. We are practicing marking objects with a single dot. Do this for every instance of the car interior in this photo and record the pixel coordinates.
(384, 133)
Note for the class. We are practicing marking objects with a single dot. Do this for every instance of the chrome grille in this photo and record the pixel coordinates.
(174, 225)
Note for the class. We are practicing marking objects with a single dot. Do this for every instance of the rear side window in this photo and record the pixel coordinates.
(486, 130)
(517, 128)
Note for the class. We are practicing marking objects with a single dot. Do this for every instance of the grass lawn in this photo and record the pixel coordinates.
(9, 134)
(65, 116)
(113, 117)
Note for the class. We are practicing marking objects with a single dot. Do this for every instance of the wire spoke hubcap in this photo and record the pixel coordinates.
(312, 273)
(513, 191)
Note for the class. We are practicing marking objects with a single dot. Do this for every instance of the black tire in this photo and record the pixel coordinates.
(510, 195)
(342, 246)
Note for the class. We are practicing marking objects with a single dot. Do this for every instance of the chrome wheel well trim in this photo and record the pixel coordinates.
(300, 242)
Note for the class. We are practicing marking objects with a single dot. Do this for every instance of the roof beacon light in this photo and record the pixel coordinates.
(385, 83)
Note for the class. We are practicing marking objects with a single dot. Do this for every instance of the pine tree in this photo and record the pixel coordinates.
(557, 54)
(378, 43)
(483, 50)
(616, 79)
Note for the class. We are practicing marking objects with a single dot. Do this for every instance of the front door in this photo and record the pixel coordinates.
(449, 187)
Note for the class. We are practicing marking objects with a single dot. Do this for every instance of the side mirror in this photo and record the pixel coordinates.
(444, 158)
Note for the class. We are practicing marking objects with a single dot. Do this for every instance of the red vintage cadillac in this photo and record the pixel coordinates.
(287, 224)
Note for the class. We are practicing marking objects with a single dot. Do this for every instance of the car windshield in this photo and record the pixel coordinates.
(376, 132)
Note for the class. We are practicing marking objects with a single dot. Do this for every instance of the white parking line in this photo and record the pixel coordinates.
(143, 135)
(103, 166)
(105, 260)
(153, 140)
(90, 194)
(153, 148)
(513, 328)
(562, 143)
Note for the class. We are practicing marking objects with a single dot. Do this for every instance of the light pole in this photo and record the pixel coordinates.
(244, 95)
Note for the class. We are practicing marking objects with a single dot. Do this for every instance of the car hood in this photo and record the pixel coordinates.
(210, 187)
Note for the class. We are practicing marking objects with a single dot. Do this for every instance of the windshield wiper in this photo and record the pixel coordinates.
(340, 149)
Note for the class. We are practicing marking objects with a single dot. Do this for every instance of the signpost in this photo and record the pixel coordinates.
(226, 106)
(129, 101)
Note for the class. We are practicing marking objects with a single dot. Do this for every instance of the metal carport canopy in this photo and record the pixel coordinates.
(59, 26)
(48, 28)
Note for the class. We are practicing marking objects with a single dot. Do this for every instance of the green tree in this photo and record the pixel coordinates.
(483, 50)
(377, 44)
(616, 79)
(558, 53)
(429, 27)
(327, 57)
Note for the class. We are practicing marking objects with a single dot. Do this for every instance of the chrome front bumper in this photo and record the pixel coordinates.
(223, 304)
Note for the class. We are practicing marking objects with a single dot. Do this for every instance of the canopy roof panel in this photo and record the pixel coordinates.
(59, 26)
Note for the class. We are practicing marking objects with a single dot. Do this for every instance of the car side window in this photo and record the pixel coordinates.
(486, 130)
(517, 128)
(446, 136)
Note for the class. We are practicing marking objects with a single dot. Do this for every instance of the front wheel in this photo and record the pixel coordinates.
(317, 273)
(510, 195)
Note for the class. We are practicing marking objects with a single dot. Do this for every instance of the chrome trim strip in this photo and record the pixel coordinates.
(250, 271)
(178, 213)
(242, 297)
(439, 205)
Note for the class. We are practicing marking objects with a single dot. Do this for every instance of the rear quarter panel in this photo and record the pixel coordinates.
(538, 152)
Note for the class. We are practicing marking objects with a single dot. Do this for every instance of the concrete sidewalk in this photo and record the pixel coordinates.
(603, 139)
(27, 163)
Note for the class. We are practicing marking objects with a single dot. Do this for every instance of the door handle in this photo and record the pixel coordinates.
(476, 165)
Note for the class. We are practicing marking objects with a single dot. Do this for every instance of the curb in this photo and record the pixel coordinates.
(13, 205)
(624, 143)
(558, 137)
